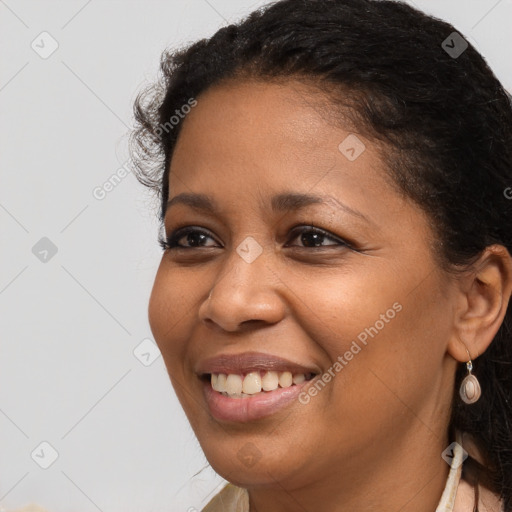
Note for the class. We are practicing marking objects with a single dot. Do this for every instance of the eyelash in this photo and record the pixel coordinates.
(171, 242)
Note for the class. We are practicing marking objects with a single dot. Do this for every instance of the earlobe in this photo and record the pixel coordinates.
(485, 294)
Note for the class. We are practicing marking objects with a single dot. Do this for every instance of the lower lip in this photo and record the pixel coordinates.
(251, 408)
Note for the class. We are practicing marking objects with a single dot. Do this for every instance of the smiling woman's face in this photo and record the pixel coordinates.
(366, 294)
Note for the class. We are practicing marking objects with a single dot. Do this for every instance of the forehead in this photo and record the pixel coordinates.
(273, 132)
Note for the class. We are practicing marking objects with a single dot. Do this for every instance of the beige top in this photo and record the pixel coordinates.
(458, 495)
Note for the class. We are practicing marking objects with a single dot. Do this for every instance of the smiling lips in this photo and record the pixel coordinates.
(244, 387)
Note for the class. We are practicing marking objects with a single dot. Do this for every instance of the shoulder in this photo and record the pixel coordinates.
(230, 499)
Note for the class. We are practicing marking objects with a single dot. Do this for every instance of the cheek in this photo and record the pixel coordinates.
(168, 310)
(379, 322)
(351, 304)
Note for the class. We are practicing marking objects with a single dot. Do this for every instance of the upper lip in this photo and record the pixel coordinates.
(247, 362)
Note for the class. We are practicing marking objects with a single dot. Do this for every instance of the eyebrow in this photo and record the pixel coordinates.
(284, 202)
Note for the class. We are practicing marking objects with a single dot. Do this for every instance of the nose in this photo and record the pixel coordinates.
(243, 296)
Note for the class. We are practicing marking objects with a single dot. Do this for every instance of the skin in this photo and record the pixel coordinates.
(372, 438)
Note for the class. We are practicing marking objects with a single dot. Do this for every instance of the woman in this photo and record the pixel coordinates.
(332, 303)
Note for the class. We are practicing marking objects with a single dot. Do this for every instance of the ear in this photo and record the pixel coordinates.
(484, 293)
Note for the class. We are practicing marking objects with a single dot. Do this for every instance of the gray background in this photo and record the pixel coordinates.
(73, 373)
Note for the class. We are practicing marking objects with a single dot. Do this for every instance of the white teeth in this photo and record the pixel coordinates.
(219, 382)
(299, 378)
(252, 383)
(233, 384)
(285, 379)
(270, 381)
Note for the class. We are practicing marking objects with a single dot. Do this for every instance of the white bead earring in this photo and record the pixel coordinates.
(470, 390)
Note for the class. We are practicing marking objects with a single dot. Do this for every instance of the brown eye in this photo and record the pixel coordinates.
(192, 236)
(314, 237)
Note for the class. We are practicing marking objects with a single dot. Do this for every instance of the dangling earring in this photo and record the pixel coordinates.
(470, 390)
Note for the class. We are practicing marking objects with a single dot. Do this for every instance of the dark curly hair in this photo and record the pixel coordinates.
(445, 122)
